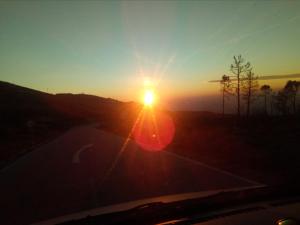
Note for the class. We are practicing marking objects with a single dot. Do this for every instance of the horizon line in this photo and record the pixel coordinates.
(268, 77)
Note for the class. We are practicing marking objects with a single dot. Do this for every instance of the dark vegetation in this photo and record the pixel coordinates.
(261, 143)
(244, 83)
(29, 117)
(263, 147)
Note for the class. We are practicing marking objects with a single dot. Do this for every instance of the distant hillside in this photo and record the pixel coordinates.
(20, 104)
(29, 117)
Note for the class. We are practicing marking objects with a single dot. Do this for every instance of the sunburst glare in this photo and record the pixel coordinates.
(149, 97)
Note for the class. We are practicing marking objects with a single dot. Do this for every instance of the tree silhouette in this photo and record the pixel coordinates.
(281, 102)
(291, 88)
(273, 102)
(266, 89)
(238, 68)
(225, 89)
(249, 86)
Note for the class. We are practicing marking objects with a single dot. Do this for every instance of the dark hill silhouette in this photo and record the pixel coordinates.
(20, 104)
(262, 148)
(29, 117)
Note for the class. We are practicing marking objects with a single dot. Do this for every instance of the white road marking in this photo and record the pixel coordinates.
(215, 169)
(76, 156)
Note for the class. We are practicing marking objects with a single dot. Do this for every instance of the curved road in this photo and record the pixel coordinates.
(70, 174)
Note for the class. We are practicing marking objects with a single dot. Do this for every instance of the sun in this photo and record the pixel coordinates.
(149, 98)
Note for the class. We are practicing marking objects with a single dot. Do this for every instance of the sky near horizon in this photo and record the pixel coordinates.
(111, 48)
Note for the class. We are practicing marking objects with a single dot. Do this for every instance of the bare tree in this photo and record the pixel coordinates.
(225, 89)
(266, 89)
(291, 88)
(249, 86)
(238, 68)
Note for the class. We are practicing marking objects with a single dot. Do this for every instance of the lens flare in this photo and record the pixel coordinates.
(154, 131)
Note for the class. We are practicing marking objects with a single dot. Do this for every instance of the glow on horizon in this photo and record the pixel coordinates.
(116, 49)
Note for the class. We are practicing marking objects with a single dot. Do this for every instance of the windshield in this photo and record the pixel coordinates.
(109, 102)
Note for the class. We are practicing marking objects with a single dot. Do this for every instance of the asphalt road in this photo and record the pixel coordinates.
(78, 171)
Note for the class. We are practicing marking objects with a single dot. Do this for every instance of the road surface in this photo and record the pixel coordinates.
(75, 172)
